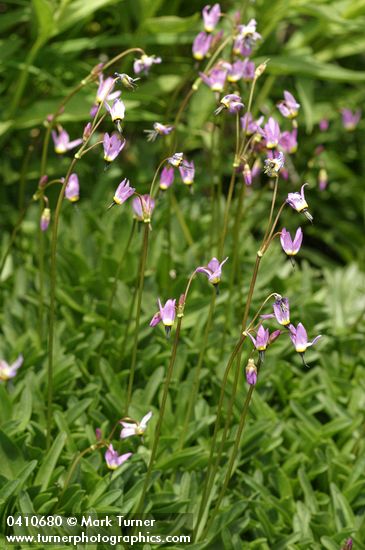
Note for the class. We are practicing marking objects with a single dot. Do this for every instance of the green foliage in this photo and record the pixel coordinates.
(298, 481)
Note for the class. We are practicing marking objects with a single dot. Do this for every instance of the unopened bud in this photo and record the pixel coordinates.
(45, 219)
(261, 69)
(97, 69)
(181, 305)
(42, 181)
(251, 372)
(98, 434)
(322, 179)
(87, 131)
(247, 175)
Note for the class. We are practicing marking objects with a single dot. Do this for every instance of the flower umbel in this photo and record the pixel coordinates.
(134, 427)
(113, 459)
(9, 371)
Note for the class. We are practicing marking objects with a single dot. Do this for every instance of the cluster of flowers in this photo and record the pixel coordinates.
(167, 313)
(114, 143)
(263, 339)
(269, 138)
(112, 458)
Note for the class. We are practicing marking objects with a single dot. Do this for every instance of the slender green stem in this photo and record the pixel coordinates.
(271, 209)
(138, 314)
(52, 308)
(129, 317)
(209, 478)
(75, 462)
(41, 243)
(114, 287)
(233, 455)
(195, 387)
(160, 418)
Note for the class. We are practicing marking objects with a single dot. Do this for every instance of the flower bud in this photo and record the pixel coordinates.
(260, 69)
(45, 219)
(251, 372)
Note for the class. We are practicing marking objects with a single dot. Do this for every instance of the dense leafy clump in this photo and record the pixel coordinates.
(159, 265)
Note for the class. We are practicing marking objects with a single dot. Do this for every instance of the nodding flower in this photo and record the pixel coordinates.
(274, 164)
(166, 177)
(187, 172)
(45, 219)
(289, 106)
(298, 202)
(9, 371)
(176, 159)
(350, 119)
(112, 146)
(135, 428)
(201, 45)
(271, 133)
(144, 64)
(299, 338)
(215, 79)
(104, 93)
(232, 102)
(143, 206)
(158, 130)
(246, 38)
(105, 90)
(117, 112)
(113, 459)
(253, 126)
(127, 81)
(281, 311)
(213, 271)
(251, 372)
(288, 141)
(166, 314)
(211, 16)
(291, 246)
(62, 142)
(72, 191)
(123, 192)
(263, 339)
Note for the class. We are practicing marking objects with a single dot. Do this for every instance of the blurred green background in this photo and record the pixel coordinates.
(299, 481)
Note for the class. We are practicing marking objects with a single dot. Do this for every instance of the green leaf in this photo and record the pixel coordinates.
(45, 471)
(44, 14)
